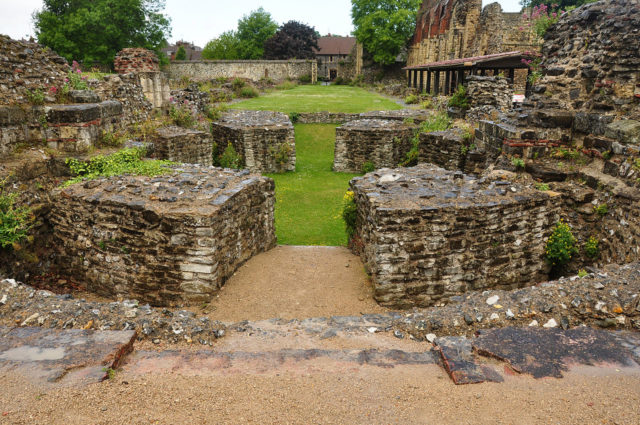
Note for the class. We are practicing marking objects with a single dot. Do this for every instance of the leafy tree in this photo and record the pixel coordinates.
(227, 46)
(293, 40)
(181, 54)
(253, 30)
(384, 26)
(95, 30)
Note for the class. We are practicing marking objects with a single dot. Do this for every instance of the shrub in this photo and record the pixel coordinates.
(591, 247)
(35, 97)
(561, 245)
(582, 273)
(112, 139)
(230, 158)
(15, 221)
(182, 116)
(412, 99)
(368, 167)
(281, 154)
(294, 117)
(286, 85)
(237, 84)
(518, 163)
(305, 79)
(601, 209)
(75, 79)
(126, 161)
(543, 187)
(436, 122)
(248, 92)
(459, 98)
(214, 112)
(349, 213)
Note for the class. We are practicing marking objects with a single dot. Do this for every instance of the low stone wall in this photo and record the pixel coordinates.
(411, 115)
(426, 234)
(264, 139)
(489, 91)
(384, 143)
(254, 70)
(70, 128)
(183, 145)
(326, 117)
(126, 89)
(445, 149)
(166, 240)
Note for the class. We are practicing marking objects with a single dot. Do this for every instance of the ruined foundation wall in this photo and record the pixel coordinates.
(442, 148)
(384, 143)
(183, 145)
(254, 70)
(426, 234)
(166, 240)
(489, 91)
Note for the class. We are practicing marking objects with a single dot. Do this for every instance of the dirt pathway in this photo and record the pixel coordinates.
(296, 282)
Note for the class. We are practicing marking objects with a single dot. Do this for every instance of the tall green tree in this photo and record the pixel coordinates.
(293, 40)
(181, 54)
(95, 30)
(253, 30)
(227, 46)
(384, 27)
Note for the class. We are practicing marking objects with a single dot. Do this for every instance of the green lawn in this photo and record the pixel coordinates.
(315, 98)
(309, 201)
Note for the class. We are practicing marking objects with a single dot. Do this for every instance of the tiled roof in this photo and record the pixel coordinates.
(335, 45)
(475, 60)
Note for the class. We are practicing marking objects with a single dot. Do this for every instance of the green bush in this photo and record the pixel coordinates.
(518, 163)
(561, 245)
(601, 209)
(112, 139)
(294, 117)
(182, 116)
(436, 122)
(248, 92)
(126, 161)
(412, 99)
(230, 158)
(35, 97)
(368, 167)
(286, 85)
(305, 79)
(543, 187)
(349, 213)
(15, 221)
(459, 98)
(591, 247)
(237, 84)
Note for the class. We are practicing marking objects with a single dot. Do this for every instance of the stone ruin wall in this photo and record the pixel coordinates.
(254, 70)
(183, 145)
(259, 137)
(495, 92)
(384, 143)
(417, 116)
(451, 29)
(426, 234)
(134, 60)
(443, 148)
(592, 61)
(167, 240)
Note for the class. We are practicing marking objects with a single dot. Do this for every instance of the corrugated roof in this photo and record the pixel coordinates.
(335, 45)
(474, 60)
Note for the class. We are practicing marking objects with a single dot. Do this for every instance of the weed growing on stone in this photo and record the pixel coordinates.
(15, 221)
(126, 161)
(368, 167)
(561, 245)
(35, 97)
(518, 163)
(281, 154)
(112, 139)
(349, 213)
(110, 372)
(601, 209)
(411, 99)
(542, 187)
(459, 98)
(230, 158)
(582, 273)
(294, 117)
(182, 115)
(592, 248)
(436, 122)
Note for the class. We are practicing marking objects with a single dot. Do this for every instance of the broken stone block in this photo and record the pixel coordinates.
(624, 131)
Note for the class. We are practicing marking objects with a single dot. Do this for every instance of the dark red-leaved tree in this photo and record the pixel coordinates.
(293, 40)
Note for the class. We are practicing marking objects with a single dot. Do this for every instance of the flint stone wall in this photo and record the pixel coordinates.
(259, 137)
(165, 240)
(126, 89)
(592, 61)
(417, 116)
(426, 234)
(489, 91)
(442, 148)
(381, 142)
(136, 60)
(254, 70)
(183, 145)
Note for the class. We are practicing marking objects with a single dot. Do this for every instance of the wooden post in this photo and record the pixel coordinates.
(512, 75)
(461, 77)
(447, 82)
(428, 90)
(421, 81)
(408, 78)
(415, 79)
(483, 72)
(436, 83)
(527, 89)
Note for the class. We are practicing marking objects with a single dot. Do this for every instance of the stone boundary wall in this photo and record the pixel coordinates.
(442, 148)
(183, 145)
(264, 139)
(164, 240)
(426, 234)
(417, 116)
(384, 143)
(326, 117)
(254, 70)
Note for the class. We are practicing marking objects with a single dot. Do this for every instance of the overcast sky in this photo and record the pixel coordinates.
(199, 21)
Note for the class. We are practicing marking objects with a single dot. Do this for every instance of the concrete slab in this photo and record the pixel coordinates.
(65, 357)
